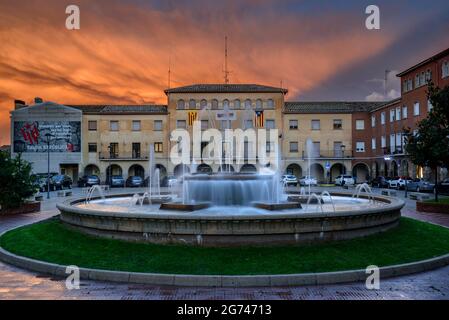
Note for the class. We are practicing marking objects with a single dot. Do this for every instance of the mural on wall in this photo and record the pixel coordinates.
(31, 136)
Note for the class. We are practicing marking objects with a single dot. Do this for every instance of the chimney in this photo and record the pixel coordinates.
(19, 104)
(38, 100)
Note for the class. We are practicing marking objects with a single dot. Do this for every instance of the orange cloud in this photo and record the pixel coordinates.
(121, 53)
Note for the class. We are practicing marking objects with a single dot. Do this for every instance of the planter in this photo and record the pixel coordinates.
(29, 207)
(432, 207)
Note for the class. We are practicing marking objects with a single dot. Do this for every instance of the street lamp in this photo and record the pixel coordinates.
(48, 136)
(343, 148)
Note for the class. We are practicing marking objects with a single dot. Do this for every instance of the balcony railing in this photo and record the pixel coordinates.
(122, 156)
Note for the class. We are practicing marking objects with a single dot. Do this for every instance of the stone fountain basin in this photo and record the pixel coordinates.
(270, 228)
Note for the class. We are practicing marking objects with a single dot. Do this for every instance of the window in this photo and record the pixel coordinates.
(429, 106)
(157, 125)
(226, 104)
(181, 124)
(422, 79)
(391, 115)
(404, 86)
(136, 125)
(404, 112)
(398, 113)
(136, 150)
(248, 104)
(113, 125)
(293, 124)
(181, 105)
(392, 143)
(192, 104)
(338, 124)
(315, 124)
(383, 142)
(203, 104)
(398, 142)
(360, 124)
(270, 124)
(92, 148)
(373, 121)
(338, 150)
(382, 118)
(360, 146)
(248, 124)
(237, 104)
(204, 124)
(409, 85)
(268, 147)
(92, 125)
(270, 103)
(316, 149)
(416, 109)
(158, 147)
(417, 79)
(294, 147)
(113, 150)
(373, 143)
(445, 69)
(258, 104)
(214, 104)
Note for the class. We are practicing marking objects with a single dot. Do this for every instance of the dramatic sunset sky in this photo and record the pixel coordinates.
(320, 50)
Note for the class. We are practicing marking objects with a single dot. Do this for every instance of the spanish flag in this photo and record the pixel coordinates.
(258, 120)
(193, 115)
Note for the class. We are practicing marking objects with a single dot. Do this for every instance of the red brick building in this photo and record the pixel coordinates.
(384, 143)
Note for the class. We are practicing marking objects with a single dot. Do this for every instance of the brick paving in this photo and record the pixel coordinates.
(16, 283)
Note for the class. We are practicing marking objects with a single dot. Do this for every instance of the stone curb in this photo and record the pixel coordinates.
(224, 281)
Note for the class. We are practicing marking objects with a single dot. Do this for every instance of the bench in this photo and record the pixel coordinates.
(390, 193)
(419, 196)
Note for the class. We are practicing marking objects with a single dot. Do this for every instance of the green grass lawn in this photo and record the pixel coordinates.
(53, 242)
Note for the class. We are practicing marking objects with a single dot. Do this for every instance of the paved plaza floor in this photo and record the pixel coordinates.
(17, 283)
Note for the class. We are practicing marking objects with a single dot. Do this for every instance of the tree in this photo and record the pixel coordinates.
(17, 183)
(429, 146)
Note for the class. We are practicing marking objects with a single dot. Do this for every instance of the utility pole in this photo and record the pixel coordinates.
(226, 71)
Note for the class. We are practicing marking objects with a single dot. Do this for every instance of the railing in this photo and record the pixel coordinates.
(122, 156)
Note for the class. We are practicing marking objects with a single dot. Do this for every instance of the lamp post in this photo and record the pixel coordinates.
(48, 136)
(343, 149)
(109, 173)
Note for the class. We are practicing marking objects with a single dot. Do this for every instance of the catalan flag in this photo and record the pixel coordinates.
(258, 120)
(193, 115)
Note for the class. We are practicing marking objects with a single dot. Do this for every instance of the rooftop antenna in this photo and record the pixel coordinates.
(226, 71)
(169, 71)
(385, 82)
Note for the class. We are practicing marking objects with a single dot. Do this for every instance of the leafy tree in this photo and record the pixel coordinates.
(429, 147)
(16, 182)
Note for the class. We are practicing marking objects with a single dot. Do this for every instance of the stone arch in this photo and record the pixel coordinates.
(317, 171)
(180, 170)
(136, 170)
(294, 169)
(394, 169)
(361, 173)
(204, 168)
(336, 170)
(113, 170)
(248, 168)
(92, 169)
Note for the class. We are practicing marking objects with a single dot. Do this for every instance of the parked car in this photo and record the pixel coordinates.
(289, 180)
(380, 182)
(443, 187)
(116, 181)
(169, 181)
(398, 182)
(88, 181)
(134, 181)
(420, 185)
(308, 181)
(43, 185)
(62, 181)
(344, 180)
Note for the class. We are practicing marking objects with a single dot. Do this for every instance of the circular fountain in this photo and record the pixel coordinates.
(233, 209)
